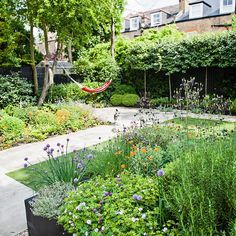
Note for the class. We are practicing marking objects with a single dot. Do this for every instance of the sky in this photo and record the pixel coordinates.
(140, 5)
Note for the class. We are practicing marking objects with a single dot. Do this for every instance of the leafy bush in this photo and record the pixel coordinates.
(116, 99)
(201, 187)
(161, 102)
(130, 100)
(41, 122)
(233, 107)
(126, 205)
(15, 90)
(11, 128)
(49, 199)
(123, 89)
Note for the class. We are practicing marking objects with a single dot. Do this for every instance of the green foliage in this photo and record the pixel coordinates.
(96, 64)
(130, 100)
(49, 200)
(10, 128)
(116, 99)
(15, 90)
(167, 33)
(43, 122)
(202, 187)
(108, 206)
(234, 22)
(163, 101)
(233, 107)
(123, 89)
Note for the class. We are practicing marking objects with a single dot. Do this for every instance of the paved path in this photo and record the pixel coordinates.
(12, 193)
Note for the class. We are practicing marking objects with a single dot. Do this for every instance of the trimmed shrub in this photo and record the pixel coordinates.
(124, 88)
(130, 100)
(163, 101)
(15, 90)
(116, 99)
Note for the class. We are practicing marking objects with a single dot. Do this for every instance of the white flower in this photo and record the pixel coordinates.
(140, 209)
(78, 208)
(72, 224)
(134, 219)
(144, 216)
(96, 230)
(74, 235)
(82, 204)
(144, 234)
(121, 212)
(89, 222)
(102, 228)
(165, 230)
(86, 233)
(70, 213)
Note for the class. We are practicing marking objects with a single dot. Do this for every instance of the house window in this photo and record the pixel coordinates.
(196, 11)
(134, 23)
(156, 19)
(227, 6)
(227, 2)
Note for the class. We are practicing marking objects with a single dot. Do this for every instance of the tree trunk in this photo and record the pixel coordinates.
(170, 88)
(113, 38)
(145, 84)
(46, 80)
(70, 51)
(206, 81)
(33, 66)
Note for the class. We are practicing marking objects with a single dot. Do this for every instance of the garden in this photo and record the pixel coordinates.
(171, 171)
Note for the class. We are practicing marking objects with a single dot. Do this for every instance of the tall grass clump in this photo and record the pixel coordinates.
(201, 187)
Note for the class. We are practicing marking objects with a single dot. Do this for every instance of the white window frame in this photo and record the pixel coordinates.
(193, 14)
(153, 23)
(229, 8)
(131, 23)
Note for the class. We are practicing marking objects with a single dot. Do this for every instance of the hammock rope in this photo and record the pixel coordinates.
(89, 90)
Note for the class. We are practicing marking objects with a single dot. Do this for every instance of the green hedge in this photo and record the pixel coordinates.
(130, 100)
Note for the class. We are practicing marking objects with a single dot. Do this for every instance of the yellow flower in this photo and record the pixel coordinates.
(150, 158)
(157, 149)
(130, 142)
(123, 166)
(143, 150)
(118, 153)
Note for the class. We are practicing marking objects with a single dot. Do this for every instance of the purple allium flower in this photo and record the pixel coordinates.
(67, 140)
(76, 180)
(101, 202)
(25, 165)
(79, 166)
(110, 194)
(45, 148)
(100, 220)
(26, 159)
(99, 138)
(58, 144)
(48, 145)
(90, 156)
(137, 197)
(52, 150)
(94, 210)
(160, 172)
(105, 194)
(62, 146)
(74, 150)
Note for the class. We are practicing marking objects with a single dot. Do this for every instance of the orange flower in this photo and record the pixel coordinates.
(134, 147)
(123, 166)
(143, 150)
(150, 158)
(132, 154)
(157, 149)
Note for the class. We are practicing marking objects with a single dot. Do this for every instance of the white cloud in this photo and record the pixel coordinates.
(141, 5)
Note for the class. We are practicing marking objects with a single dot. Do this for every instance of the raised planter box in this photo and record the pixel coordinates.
(39, 226)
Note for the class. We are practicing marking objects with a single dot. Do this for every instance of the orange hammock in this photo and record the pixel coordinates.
(89, 90)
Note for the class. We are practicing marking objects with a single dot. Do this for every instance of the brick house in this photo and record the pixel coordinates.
(190, 16)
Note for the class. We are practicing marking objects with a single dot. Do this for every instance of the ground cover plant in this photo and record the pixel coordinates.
(29, 124)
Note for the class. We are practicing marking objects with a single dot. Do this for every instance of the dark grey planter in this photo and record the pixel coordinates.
(39, 226)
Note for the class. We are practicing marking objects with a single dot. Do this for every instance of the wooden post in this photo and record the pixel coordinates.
(112, 38)
(145, 84)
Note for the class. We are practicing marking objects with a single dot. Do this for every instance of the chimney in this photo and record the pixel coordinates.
(182, 6)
